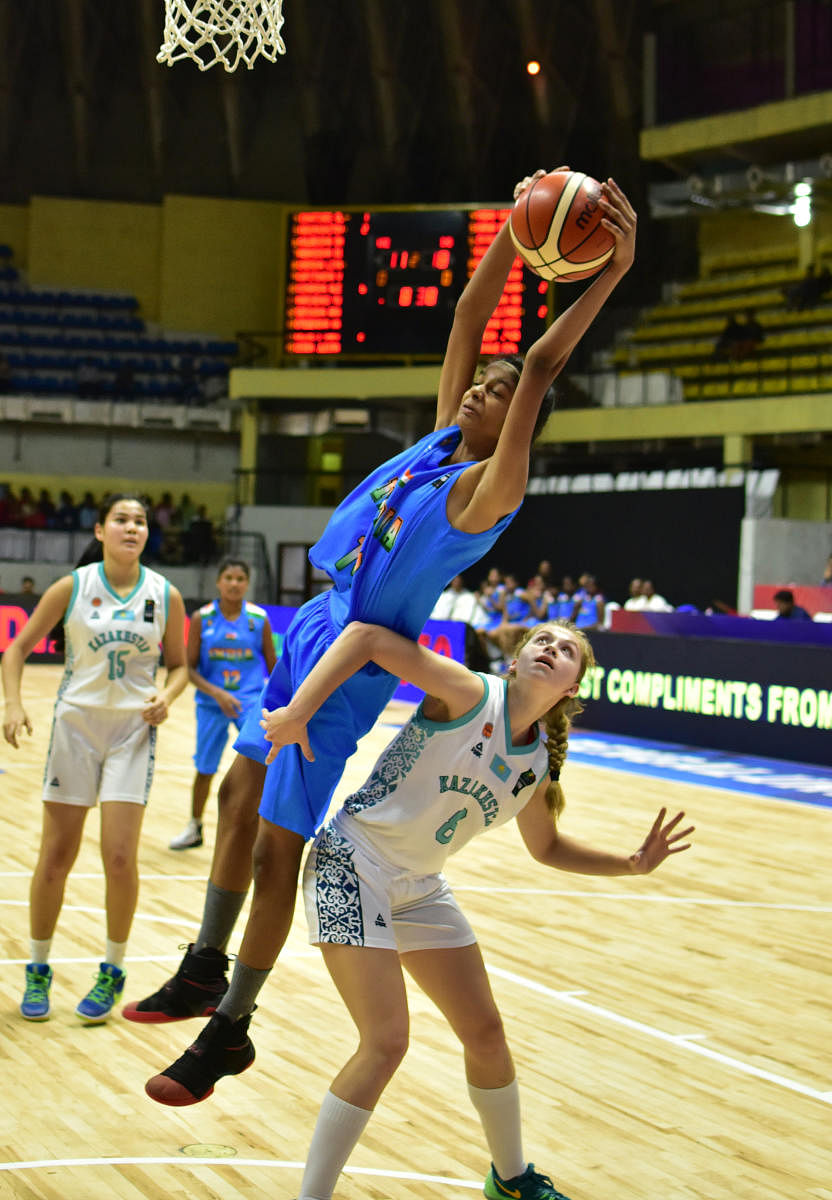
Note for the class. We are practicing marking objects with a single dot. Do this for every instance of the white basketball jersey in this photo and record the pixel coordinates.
(437, 786)
(113, 643)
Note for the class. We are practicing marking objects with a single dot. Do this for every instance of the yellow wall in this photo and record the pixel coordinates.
(97, 245)
(220, 264)
(730, 232)
(14, 231)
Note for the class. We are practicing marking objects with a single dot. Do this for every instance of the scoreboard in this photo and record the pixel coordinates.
(385, 283)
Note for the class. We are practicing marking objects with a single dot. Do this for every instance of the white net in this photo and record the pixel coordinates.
(230, 32)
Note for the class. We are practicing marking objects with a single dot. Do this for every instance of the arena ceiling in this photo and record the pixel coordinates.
(375, 101)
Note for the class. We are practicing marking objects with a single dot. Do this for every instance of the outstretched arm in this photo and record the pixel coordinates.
(498, 485)
(452, 687)
(553, 849)
(474, 309)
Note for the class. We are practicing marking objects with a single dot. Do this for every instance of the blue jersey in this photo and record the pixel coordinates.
(390, 550)
(231, 653)
(390, 545)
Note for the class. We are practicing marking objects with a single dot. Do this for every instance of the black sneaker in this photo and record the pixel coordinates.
(223, 1048)
(195, 990)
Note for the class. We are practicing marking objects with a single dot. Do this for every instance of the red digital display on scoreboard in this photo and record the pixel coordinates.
(386, 283)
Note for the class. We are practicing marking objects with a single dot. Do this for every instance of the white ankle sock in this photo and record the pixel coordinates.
(114, 953)
(499, 1113)
(39, 951)
(337, 1130)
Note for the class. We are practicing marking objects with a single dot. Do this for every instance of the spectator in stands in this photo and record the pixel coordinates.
(827, 573)
(727, 341)
(9, 505)
(184, 512)
(636, 599)
(458, 603)
(5, 375)
(749, 336)
(199, 542)
(787, 610)
(28, 516)
(66, 514)
(652, 600)
(561, 601)
(163, 511)
(544, 572)
(46, 507)
(27, 586)
(87, 512)
(809, 291)
(588, 604)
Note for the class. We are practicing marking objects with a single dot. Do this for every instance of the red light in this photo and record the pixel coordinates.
(446, 241)
(541, 312)
(441, 259)
(543, 287)
(427, 297)
(361, 337)
(405, 296)
(362, 289)
(383, 243)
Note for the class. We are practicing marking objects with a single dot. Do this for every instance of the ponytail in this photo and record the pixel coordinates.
(558, 720)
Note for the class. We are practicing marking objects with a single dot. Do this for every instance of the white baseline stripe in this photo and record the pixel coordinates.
(683, 1040)
(186, 1161)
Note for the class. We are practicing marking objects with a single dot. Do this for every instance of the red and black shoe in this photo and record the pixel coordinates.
(223, 1048)
(194, 991)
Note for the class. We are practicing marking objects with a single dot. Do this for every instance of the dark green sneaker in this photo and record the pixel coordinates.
(529, 1186)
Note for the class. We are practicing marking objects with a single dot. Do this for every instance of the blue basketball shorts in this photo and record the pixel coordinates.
(211, 736)
(296, 793)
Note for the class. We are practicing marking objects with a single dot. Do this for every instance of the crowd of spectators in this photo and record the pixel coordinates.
(180, 532)
(501, 608)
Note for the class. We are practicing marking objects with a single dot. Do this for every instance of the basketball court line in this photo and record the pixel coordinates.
(685, 1041)
(233, 1161)
(775, 778)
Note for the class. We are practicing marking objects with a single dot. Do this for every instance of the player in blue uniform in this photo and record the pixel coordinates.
(471, 758)
(390, 548)
(230, 653)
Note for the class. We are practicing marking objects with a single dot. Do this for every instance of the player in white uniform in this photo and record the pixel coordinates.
(470, 758)
(117, 615)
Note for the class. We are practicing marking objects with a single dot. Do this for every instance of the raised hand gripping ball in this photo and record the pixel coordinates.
(556, 227)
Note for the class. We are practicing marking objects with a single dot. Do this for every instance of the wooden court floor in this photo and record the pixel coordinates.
(671, 1033)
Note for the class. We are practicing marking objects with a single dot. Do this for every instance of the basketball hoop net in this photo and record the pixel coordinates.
(222, 31)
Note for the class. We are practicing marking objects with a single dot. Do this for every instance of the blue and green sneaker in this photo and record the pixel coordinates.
(528, 1186)
(35, 1003)
(107, 989)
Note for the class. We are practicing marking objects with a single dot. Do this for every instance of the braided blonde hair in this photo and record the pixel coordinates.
(558, 720)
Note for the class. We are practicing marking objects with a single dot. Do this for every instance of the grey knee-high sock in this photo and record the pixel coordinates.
(499, 1113)
(219, 916)
(338, 1128)
(243, 991)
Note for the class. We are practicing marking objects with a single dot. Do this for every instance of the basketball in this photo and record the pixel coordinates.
(556, 227)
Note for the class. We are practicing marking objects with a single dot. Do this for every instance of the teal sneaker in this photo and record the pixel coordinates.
(35, 1003)
(98, 1002)
(528, 1186)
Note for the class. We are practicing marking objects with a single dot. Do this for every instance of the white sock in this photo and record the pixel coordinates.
(39, 951)
(337, 1130)
(499, 1113)
(114, 953)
